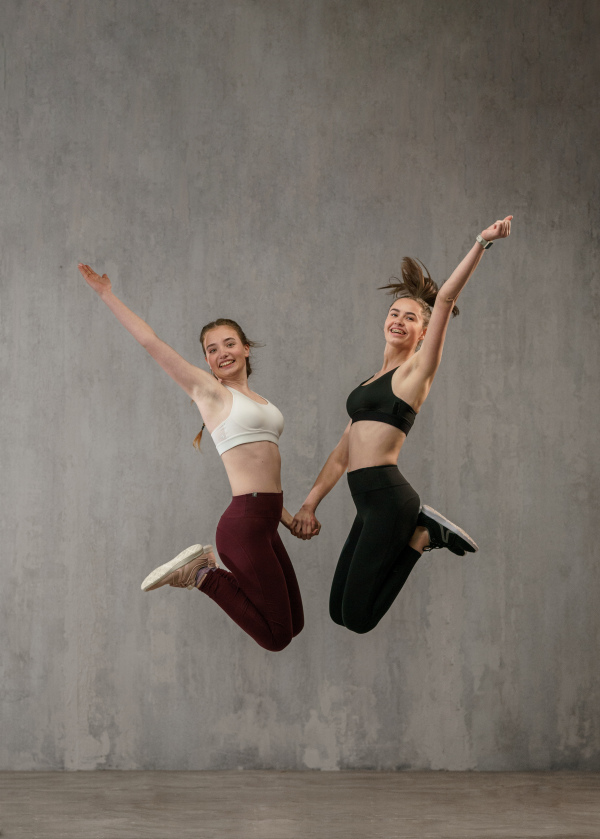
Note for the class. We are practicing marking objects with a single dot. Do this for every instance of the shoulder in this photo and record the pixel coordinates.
(412, 384)
(405, 370)
(212, 398)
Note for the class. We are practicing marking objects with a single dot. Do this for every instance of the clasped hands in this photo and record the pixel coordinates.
(304, 525)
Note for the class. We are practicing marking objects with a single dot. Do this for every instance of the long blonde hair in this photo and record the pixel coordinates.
(415, 285)
(245, 341)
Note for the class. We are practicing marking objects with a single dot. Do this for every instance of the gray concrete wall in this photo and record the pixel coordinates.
(273, 161)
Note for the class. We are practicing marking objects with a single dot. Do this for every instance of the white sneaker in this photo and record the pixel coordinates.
(181, 571)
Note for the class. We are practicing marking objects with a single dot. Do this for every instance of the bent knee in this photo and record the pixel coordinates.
(336, 616)
(360, 628)
(359, 623)
(278, 643)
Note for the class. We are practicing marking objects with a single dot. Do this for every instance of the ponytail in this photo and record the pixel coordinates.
(416, 284)
(198, 437)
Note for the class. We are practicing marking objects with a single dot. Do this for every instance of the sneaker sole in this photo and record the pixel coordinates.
(470, 544)
(174, 564)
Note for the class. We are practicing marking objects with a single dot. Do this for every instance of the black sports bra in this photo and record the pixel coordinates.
(377, 402)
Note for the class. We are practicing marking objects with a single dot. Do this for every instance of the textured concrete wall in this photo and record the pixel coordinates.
(273, 161)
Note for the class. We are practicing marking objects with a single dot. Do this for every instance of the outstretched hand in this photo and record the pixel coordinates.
(305, 525)
(498, 230)
(99, 283)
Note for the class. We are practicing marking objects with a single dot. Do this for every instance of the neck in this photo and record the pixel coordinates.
(393, 357)
(237, 383)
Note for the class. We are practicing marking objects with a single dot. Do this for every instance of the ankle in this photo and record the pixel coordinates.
(420, 539)
(201, 576)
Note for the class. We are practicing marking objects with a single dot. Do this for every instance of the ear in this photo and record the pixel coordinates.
(423, 333)
(247, 350)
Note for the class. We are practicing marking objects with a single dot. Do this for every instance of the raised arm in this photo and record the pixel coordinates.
(196, 382)
(429, 356)
(305, 524)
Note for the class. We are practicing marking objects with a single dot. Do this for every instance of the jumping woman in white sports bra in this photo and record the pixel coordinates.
(260, 591)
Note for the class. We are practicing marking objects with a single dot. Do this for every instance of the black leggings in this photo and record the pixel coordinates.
(375, 561)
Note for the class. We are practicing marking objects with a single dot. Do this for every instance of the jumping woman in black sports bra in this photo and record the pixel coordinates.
(391, 529)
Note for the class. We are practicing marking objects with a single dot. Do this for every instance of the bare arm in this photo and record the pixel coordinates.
(305, 521)
(287, 519)
(429, 357)
(195, 382)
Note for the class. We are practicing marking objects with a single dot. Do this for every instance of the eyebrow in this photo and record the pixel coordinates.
(398, 310)
(214, 343)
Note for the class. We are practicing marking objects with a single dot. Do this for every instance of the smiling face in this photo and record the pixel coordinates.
(225, 353)
(405, 326)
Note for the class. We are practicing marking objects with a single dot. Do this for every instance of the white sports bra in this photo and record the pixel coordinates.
(248, 422)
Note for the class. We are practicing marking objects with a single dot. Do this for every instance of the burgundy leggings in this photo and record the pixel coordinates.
(260, 592)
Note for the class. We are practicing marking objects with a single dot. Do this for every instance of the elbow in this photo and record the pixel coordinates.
(149, 340)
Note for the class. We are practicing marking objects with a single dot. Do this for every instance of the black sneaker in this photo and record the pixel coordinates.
(444, 534)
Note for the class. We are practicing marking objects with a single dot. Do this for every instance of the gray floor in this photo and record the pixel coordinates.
(278, 805)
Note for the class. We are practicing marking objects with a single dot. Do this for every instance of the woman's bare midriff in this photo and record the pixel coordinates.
(253, 467)
(373, 444)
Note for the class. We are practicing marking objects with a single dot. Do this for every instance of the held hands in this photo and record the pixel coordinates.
(305, 524)
(499, 230)
(100, 284)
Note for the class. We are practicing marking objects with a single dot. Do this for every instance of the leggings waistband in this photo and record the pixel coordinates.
(375, 477)
(264, 504)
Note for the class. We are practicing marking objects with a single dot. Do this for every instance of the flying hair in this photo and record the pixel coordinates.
(416, 284)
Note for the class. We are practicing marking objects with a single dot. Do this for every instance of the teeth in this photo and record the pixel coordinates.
(226, 364)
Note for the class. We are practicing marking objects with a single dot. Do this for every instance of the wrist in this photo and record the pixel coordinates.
(309, 507)
(485, 243)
